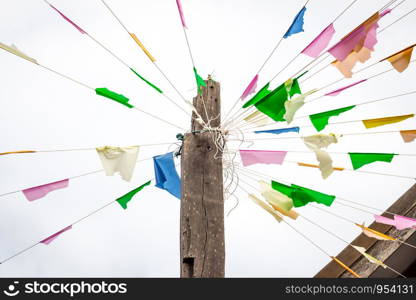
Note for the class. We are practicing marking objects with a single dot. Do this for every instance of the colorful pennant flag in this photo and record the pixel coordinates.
(369, 257)
(338, 91)
(167, 177)
(400, 60)
(51, 238)
(297, 24)
(18, 152)
(346, 66)
(199, 81)
(320, 120)
(344, 266)
(257, 118)
(361, 159)
(301, 195)
(37, 192)
(375, 234)
(261, 94)
(14, 50)
(266, 207)
(316, 143)
(251, 88)
(123, 200)
(400, 222)
(179, 4)
(408, 135)
(113, 96)
(140, 44)
(294, 104)
(315, 48)
(251, 157)
(148, 82)
(67, 19)
(301, 164)
(279, 131)
(371, 123)
(274, 197)
(118, 159)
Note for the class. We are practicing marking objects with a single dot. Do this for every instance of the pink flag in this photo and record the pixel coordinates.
(400, 222)
(68, 20)
(51, 238)
(178, 3)
(338, 91)
(315, 48)
(38, 192)
(251, 157)
(251, 88)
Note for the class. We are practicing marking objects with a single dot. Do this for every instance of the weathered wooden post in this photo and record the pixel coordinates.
(202, 204)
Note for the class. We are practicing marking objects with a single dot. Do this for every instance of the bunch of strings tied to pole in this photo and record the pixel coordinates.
(266, 107)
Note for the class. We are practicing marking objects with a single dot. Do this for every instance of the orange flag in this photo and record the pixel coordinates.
(375, 234)
(301, 164)
(345, 267)
(371, 123)
(18, 152)
(408, 135)
(400, 60)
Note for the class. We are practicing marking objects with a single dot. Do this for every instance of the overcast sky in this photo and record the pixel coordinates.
(230, 39)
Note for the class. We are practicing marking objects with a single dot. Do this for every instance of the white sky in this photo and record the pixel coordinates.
(230, 39)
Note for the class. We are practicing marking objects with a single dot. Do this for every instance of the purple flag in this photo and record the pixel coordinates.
(251, 88)
(338, 91)
(40, 191)
(179, 4)
(315, 48)
(68, 20)
(51, 238)
(251, 157)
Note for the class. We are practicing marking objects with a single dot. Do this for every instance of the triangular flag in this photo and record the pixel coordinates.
(40, 191)
(400, 60)
(251, 157)
(279, 131)
(179, 4)
(301, 164)
(18, 152)
(400, 222)
(266, 207)
(167, 177)
(113, 96)
(262, 93)
(408, 135)
(118, 160)
(274, 197)
(297, 24)
(257, 118)
(67, 19)
(199, 81)
(369, 257)
(51, 238)
(147, 81)
(294, 104)
(338, 91)
(345, 267)
(123, 200)
(375, 234)
(371, 123)
(251, 88)
(13, 50)
(315, 48)
(320, 120)
(360, 159)
(140, 44)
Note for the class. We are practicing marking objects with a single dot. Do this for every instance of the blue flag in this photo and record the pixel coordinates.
(297, 25)
(279, 131)
(166, 176)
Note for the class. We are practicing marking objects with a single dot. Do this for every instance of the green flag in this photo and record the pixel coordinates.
(123, 200)
(199, 81)
(292, 87)
(301, 195)
(257, 97)
(360, 159)
(113, 96)
(320, 120)
(148, 82)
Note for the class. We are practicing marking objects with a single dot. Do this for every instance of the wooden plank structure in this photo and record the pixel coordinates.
(202, 206)
(400, 257)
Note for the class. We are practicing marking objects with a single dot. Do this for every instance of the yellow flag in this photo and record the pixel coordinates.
(369, 257)
(138, 42)
(345, 267)
(371, 123)
(13, 49)
(266, 207)
(301, 164)
(257, 118)
(375, 234)
(400, 60)
(18, 152)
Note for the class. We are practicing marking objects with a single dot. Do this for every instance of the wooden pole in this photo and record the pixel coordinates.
(202, 205)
